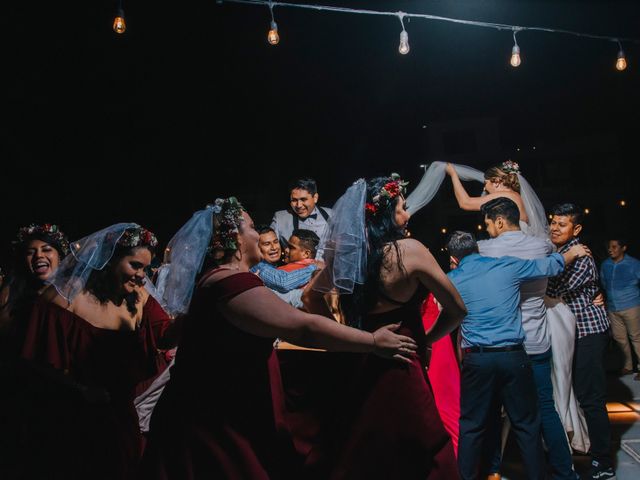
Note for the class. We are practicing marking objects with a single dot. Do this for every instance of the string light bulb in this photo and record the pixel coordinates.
(404, 36)
(621, 62)
(273, 37)
(515, 52)
(119, 25)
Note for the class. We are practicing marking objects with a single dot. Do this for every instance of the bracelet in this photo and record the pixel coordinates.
(375, 345)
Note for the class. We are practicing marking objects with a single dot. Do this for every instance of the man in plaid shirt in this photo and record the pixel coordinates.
(577, 285)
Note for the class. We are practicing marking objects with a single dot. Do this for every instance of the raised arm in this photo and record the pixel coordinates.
(259, 312)
(420, 264)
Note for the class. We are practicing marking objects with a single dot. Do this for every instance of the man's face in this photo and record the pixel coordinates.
(616, 252)
(493, 229)
(562, 229)
(294, 251)
(302, 202)
(270, 247)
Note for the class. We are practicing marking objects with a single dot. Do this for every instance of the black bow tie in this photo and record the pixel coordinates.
(313, 215)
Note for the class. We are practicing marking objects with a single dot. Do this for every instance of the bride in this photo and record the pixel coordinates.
(506, 180)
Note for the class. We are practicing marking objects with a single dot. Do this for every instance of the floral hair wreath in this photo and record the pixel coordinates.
(510, 167)
(394, 187)
(48, 229)
(227, 218)
(138, 237)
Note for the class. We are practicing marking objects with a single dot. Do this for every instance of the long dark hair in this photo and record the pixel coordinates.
(103, 284)
(382, 233)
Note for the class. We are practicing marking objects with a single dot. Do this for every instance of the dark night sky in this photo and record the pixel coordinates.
(90, 116)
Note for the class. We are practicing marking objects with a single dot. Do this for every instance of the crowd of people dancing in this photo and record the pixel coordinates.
(327, 345)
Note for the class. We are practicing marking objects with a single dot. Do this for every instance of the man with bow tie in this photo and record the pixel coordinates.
(304, 213)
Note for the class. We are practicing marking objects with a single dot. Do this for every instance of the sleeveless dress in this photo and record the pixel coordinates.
(85, 425)
(219, 414)
(385, 423)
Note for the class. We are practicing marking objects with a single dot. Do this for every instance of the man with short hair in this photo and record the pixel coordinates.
(496, 368)
(304, 213)
(577, 286)
(301, 250)
(502, 221)
(620, 278)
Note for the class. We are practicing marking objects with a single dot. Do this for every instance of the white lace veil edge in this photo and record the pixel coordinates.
(345, 251)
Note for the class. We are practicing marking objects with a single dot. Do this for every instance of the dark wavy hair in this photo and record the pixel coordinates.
(382, 233)
(102, 284)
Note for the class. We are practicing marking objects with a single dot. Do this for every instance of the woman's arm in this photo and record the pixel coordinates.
(420, 264)
(465, 202)
(259, 312)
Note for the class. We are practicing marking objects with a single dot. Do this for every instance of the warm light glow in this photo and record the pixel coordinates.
(119, 25)
(623, 203)
(404, 42)
(443, 230)
(479, 227)
(515, 56)
(621, 62)
(587, 211)
(272, 37)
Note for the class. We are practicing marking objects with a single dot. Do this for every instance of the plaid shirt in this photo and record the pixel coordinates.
(577, 285)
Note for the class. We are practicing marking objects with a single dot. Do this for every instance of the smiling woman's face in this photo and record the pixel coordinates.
(41, 258)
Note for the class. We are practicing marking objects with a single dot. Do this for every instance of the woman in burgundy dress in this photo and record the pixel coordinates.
(96, 328)
(219, 416)
(387, 425)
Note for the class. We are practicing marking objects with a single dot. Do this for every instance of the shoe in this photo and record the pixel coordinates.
(600, 472)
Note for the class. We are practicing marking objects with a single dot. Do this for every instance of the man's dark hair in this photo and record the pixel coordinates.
(622, 241)
(308, 184)
(262, 229)
(568, 210)
(461, 244)
(308, 239)
(502, 207)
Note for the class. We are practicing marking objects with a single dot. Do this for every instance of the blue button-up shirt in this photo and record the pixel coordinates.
(490, 288)
(281, 280)
(621, 281)
(534, 313)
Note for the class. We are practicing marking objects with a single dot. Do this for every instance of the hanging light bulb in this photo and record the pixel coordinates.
(621, 62)
(272, 37)
(404, 36)
(119, 25)
(404, 43)
(515, 52)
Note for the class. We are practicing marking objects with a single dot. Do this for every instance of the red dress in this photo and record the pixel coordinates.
(95, 434)
(376, 418)
(444, 374)
(218, 416)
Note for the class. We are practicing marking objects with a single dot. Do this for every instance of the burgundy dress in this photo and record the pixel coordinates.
(95, 433)
(219, 414)
(385, 423)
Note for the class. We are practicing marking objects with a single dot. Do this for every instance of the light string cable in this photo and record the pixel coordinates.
(497, 26)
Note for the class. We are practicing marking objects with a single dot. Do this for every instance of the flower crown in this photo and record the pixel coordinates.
(46, 229)
(394, 187)
(227, 218)
(138, 237)
(510, 167)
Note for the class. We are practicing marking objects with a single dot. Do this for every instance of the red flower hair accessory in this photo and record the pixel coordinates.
(138, 237)
(47, 229)
(394, 187)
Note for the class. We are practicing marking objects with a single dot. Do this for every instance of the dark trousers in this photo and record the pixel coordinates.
(491, 379)
(590, 386)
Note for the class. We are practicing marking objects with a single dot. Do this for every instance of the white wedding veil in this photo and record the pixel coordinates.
(435, 174)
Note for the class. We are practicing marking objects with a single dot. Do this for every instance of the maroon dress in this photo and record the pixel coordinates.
(219, 414)
(96, 433)
(370, 418)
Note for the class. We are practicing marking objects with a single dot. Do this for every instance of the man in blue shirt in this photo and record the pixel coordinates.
(496, 369)
(620, 278)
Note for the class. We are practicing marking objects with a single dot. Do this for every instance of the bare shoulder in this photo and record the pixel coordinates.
(217, 276)
(50, 294)
(411, 246)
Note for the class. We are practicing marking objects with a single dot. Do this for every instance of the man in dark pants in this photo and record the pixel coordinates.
(496, 369)
(577, 286)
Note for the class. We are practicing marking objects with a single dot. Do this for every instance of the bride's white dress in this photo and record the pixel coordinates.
(561, 323)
